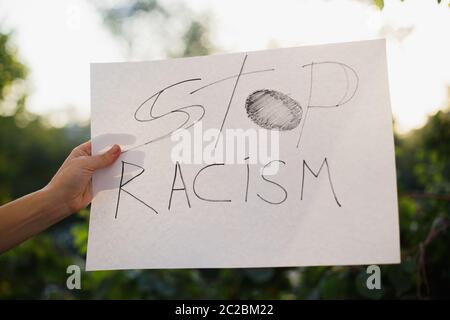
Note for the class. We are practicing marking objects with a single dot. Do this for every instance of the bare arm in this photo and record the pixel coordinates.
(69, 191)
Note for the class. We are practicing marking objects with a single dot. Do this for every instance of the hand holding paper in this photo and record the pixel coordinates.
(69, 191)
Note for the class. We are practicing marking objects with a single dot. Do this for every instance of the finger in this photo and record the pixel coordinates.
(83, 149)
(105, 159)
(88, 193)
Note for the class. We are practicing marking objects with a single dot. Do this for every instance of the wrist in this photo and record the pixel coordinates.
(53, 202)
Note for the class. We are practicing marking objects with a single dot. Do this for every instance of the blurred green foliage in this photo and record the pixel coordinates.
(380, 3)
(31, 151)
(11, 70)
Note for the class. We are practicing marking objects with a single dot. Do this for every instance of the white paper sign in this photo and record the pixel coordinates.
(309, 179)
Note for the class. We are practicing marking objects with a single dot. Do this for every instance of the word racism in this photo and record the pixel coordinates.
(186, 189)
(269, 110)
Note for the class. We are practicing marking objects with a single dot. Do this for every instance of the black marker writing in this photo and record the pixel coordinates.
(195, 181)
(152, 100)
(325, 162)
(273, 110)
(272, 182)
(122, 184)
(231, 77)
(346, 97)
(231, 99)
(178, 169)
(247, 166)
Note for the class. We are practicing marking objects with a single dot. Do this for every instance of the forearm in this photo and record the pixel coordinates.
(68, 191)
(29, 215)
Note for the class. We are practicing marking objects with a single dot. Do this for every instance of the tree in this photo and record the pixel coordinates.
(31, 151)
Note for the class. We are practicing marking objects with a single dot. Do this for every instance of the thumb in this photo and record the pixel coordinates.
(103, 160)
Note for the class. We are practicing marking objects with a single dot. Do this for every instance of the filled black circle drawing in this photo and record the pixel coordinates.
(273, 110)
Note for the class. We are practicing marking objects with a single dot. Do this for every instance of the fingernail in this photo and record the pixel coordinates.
(115, 149)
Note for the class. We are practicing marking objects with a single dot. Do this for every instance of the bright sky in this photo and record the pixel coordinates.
(58, 39)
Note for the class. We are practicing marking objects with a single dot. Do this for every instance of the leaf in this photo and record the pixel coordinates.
(259, 275)
(379, 4)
